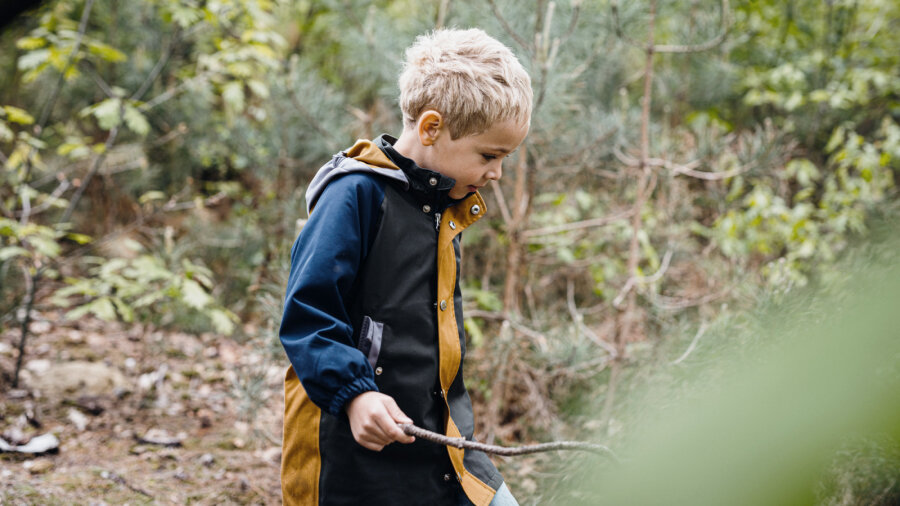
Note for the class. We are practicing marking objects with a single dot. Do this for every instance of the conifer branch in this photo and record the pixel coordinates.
(459, 442)
(724, 20)
(509, 30)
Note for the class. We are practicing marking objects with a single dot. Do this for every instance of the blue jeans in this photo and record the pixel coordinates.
(503, 497)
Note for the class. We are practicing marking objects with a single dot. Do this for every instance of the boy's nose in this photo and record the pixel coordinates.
(495, 172)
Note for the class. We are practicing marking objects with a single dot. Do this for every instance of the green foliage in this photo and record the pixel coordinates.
(117, 289)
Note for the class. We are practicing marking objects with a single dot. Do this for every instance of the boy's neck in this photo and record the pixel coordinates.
(408, 145)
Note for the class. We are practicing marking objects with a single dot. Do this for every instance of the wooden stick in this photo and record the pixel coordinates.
(459, 442)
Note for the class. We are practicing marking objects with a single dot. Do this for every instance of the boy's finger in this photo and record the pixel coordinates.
(398, 417)
(395, 411)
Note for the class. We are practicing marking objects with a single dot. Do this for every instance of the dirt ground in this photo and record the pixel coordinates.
(145, 416)
(142, 417)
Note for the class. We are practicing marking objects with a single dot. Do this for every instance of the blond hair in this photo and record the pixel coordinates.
(472, 79)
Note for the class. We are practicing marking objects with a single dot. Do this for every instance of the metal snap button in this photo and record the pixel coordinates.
(426, 208)
(452, 225)
(433, 181)
(476, 209)
(443, 305)
(378, 371)
(447, 477)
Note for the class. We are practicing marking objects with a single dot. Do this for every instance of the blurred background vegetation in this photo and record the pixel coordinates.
(688, 162)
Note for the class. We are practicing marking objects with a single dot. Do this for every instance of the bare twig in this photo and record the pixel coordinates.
(618, 26)
(110, 140)
(664, 266)
(30, 282)
(443, 10)
(82, 27)
(578, 320)
(163, 59)
(98, 79)
(687, 352)
(459, 442)
(712, 176)
(181, 206)
(109, 475)
(63, 186)
(725, 21)
(578, 225)
(518, 326)
(673, 303)
(633, 280)
(501, 202)
(509, 30)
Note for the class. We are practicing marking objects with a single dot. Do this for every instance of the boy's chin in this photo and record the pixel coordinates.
(462, 192)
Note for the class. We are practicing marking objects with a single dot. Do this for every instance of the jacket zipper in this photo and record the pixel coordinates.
(437, 221)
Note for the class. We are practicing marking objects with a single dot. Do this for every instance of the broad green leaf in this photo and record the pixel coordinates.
(106, 52)
(16, 115)
(32, 59)
(148, 299)
(6, 134)
(222, 320)
(124, 309)
(78, 312)
(151, 196)
(259, 88)
(79, 238)
(837, 137)
(233, 95)
(9, 228)
(31, 43)
(45, 246)
(185, 16)
(111, 266)
(194, 295)
(473, 331)
(75, 150)
(107, 113)
(104, 309)
(136, 121)
(12, 251)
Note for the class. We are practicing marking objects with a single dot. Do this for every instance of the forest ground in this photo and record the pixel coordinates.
(184, 387)
(105, 388)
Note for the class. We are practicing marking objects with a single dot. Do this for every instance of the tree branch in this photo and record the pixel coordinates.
(82, 27)
(512, 33)
(110, 140)
(459, 442)
(577, 225)
(578, 320)
(724, 19)
(164, 58)
(687, 352)
(501, 202)
(25, 213)
(618, 27)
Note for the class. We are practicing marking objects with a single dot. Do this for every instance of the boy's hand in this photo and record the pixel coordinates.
(373, 419)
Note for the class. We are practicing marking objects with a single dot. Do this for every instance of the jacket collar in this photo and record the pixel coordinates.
(420, 179)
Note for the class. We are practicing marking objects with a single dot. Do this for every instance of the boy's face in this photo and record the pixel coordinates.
(472, 160)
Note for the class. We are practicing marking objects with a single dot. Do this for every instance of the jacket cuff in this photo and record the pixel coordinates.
(360, 385)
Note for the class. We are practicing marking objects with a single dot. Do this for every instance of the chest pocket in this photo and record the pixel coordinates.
(370, 334)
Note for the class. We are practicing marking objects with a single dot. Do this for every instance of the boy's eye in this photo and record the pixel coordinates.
(488, 157)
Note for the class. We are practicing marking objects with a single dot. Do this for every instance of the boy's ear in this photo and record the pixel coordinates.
(429, 127)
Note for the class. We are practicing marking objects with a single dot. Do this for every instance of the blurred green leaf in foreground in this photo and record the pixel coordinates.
(767, 431)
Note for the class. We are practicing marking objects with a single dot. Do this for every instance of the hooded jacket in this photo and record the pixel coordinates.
(373, 303)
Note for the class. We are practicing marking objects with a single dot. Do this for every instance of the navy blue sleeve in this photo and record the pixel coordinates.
(316, 331)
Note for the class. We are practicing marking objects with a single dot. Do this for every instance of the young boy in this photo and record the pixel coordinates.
(373, 323)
